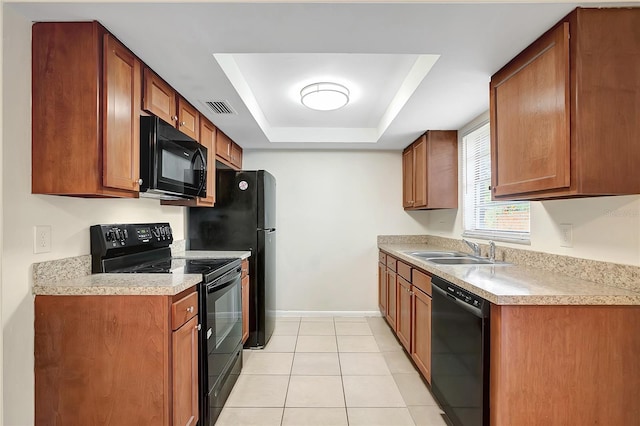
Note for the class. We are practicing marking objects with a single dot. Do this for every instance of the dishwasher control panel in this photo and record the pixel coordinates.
(460, 293)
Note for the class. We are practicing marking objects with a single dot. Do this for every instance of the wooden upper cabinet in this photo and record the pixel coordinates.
(228, 152)
(531, 148)
(188, 118)
(236, 156)
(407, 178)
(430, 173)
(121, 122)
(564, 112)
(85, 138)
(159, 98)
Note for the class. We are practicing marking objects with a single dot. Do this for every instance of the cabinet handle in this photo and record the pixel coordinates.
(140, 181)
(182, 123)
(174, 118)
(198, 327)
(190, 309)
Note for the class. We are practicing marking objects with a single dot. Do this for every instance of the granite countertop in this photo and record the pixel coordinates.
(516, 285)
(119, 284)
(72, 277)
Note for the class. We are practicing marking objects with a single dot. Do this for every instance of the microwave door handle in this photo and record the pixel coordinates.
(200, 154)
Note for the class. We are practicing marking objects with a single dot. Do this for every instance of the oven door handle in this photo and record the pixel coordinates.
(225, 281)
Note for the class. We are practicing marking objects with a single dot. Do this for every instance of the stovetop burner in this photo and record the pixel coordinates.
(207, 267)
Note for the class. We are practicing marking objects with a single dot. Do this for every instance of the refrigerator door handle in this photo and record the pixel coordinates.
(267, 229)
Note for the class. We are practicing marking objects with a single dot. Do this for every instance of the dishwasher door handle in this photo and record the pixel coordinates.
(464, 305)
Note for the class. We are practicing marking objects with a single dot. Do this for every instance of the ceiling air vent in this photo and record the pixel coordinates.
(220, 107)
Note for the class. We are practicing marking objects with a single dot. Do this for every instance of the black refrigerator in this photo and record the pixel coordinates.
(244, 218)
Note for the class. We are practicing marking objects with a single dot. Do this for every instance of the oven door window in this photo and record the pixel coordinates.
(224, 326)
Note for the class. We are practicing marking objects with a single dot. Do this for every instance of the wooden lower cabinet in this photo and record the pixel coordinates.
(421, 332)
(391, 312)
(382, 288)
(185, 373)
(116, 360)
(404, 302)
(565, 365)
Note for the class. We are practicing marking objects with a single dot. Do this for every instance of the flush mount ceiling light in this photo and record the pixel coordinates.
(324, 96)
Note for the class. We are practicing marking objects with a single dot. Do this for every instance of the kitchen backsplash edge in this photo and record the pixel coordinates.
(75, 267)
(606, 273)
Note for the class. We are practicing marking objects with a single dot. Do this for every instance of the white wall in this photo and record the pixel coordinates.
(1, 221)
(330, 208)
(604, 228)
(70, 219)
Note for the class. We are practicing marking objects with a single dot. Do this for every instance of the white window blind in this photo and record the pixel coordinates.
(483, 218)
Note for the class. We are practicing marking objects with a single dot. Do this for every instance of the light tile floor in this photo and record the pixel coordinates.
(330, 372)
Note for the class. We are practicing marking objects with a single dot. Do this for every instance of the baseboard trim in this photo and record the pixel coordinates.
(284, 314)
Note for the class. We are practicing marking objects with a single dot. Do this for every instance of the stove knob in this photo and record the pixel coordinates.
(168, 230)
(108, 236)
(156, 232)
(162, 231)
(126, 234)
(117, 233)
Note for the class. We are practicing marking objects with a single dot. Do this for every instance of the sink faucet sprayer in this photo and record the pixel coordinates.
(474, 246)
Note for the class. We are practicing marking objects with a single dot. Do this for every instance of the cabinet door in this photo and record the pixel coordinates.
(159, 98)
(421, 332)
(188, 119)
(407, 178)
(245, 308)
(420, 172)
(121, 126)
(382, 288)
(391, 298)
(185, 374)
(223, 146)
(530, 126)
(236, 155)
(404, 313)
(208, 139)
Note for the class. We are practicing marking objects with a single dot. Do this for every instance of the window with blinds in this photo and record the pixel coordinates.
(483, 218)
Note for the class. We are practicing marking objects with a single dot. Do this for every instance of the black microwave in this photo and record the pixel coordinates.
(173, 166)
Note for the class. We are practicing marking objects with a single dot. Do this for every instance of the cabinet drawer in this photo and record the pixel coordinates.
(391, 263)
(404, 271)
(245, 268)
(422, 281)
(184, 309)
(382, 258)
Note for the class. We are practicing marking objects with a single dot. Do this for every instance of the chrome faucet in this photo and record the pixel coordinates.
(474, 246)
(492, 251)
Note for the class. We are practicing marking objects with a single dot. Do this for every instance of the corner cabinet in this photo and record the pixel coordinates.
(131, 360)
(86, 90)
(564, 112)
(430, 171)
(404, 298)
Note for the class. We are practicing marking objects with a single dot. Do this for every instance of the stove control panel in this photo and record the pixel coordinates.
(106, 237)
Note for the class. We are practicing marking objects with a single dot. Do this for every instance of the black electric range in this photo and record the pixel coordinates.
(144, 248)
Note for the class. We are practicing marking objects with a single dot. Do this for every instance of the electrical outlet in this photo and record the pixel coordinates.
(566, 235)
(42, 238)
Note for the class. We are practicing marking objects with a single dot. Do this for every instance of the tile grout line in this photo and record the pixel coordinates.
(286, 394)
(344, 393)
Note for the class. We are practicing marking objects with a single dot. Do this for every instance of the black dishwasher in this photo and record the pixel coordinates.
(460, 353)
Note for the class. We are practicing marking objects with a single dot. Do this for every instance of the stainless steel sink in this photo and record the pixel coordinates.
(467, 260)
(435, 254)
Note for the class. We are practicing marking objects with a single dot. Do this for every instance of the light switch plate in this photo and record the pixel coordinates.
(42, 238)
(566, 235)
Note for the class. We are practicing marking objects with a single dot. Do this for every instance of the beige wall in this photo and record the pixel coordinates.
(330, 208)
(70, 219)
(1, 221)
